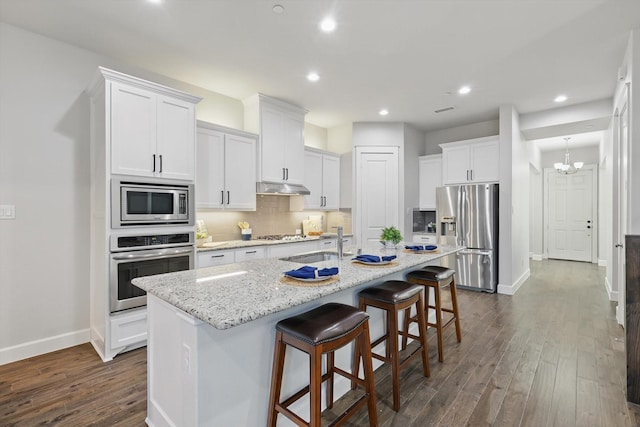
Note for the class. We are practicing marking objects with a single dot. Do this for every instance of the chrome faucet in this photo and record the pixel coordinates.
(340, 241)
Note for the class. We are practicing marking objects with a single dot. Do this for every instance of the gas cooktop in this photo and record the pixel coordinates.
(291, 237)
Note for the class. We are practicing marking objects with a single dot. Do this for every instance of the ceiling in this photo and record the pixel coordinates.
(409, 57)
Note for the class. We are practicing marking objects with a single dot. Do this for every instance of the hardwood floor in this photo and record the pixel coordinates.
(551, 355)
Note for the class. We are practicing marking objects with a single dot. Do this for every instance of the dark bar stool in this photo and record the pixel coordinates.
(394, 296)
(322, 330)
(436, 278)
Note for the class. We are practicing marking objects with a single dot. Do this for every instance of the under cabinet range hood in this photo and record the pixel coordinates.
(281, 189)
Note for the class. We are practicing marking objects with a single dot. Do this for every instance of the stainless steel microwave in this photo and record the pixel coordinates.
(136, 203)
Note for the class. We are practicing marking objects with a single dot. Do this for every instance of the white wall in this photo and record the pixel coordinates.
(44, 172)
(340, 138)
(378, 134)
(589, 155)
(514, 205)
(536, 216)
(459, 133)
(413, 148)
(315, 136)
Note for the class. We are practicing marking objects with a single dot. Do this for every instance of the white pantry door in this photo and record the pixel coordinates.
(570, 215)
(377, 189)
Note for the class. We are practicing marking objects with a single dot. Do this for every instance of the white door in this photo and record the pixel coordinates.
(176, 138)
(619, 215)
(240, 172)
(133, 131)
(570, 216)
(377, 197)
(210, 169)
(313, 179)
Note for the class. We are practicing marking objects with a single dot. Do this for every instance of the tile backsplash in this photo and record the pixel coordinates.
(272, 216)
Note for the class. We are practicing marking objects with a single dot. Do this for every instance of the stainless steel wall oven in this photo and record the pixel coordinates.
(145, 255)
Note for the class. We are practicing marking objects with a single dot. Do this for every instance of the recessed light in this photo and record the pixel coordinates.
(560, 98)
(313, 77)
(383, 112)
(328, 24)
(464, 90)
(155, 1)
(278, 9)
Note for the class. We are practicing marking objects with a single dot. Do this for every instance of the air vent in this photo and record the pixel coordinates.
(442, 110)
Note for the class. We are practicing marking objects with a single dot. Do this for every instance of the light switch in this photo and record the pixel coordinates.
(7, 212)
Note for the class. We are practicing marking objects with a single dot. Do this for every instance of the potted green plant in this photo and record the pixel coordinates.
(391, 235)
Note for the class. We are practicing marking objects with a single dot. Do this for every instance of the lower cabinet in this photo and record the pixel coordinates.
(429, 239)
(247, 254)
(128, 328)
(211, 258)
(289, 249)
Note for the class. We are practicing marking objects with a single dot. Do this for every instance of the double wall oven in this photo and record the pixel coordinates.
(151, 233)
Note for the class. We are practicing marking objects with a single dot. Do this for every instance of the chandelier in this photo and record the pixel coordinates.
(567, 167)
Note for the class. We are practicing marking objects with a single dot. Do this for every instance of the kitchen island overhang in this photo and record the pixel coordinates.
(211, 333)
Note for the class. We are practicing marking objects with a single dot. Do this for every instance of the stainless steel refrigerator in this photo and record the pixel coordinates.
(467, 215)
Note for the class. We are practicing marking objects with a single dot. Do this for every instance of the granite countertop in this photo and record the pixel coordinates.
(235, 244)
(229, 295)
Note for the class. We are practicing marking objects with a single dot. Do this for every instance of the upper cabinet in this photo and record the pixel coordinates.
(281, 147)
(471, 161)
(322, 178)
(226, 168)
(430, 173)
(151, 128)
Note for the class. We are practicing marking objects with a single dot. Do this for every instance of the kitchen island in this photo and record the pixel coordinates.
(211, 334)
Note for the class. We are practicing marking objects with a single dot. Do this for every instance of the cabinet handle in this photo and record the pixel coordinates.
(328, 243)
(160, 162)
(154, 163)
(250, 252)
(228, 197)
(217, 256)
(222, 197)
(467, 174)
(471, 174)
(287, 169)
(283, 175)
(325, 201)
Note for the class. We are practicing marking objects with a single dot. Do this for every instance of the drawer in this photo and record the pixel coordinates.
(128, 328)
(211, 258)
(328, 244)
(249, 254)
(431, 239)
(289, 249)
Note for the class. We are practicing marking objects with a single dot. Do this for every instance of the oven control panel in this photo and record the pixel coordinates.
(151, 241)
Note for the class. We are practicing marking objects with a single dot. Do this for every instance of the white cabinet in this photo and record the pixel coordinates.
(281, 148)
(471, 161)
(226, 168)
(289, 249)
(152, 128)
(211, 258)
(328, 244)
(250, 253)
(322, 178)
(430, 175)
(425, 239)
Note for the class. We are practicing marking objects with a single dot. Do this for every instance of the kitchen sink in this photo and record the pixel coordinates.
(311, 257)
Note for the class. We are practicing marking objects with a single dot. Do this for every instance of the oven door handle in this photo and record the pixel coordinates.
(152, 254)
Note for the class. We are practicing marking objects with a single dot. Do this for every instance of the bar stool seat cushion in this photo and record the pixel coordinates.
(433, 273)
(323, 324)
(391, 291)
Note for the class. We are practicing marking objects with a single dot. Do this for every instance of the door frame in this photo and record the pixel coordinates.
(594, 211)
(620, 218)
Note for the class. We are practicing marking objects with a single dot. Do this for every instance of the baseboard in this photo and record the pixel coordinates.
(619, 315)
(45, 345)
(512, 289)
(536, 257)
(602, 263)
(613, 295)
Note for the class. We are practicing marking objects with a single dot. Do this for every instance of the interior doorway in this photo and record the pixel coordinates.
(570, 214)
